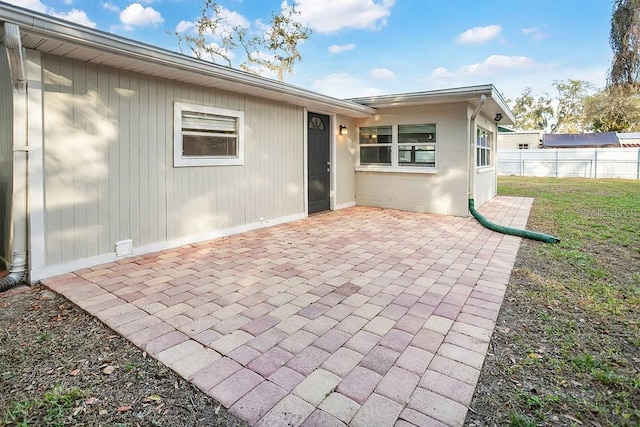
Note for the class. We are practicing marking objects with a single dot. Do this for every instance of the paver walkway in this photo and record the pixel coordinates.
(364, 316)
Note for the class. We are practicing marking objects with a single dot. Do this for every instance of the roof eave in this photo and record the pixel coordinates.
(470, 94)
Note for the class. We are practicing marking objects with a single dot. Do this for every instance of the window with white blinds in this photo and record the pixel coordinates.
(207, 136)
(398, 148)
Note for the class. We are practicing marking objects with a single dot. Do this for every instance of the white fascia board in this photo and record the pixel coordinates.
(470, 94)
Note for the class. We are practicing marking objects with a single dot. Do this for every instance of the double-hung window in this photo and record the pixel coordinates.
(375, 145)
(207, 136)
(417, 145)
(483, 148)
(401, 148)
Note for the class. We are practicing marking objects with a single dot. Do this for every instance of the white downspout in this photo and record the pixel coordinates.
(472, 147)
(18, 268)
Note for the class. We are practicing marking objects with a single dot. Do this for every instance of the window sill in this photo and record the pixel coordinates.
(484, 169)
(180, 163)
(391, 169)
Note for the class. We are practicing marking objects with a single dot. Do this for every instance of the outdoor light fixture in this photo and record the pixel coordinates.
(343, 130)
(498, 117)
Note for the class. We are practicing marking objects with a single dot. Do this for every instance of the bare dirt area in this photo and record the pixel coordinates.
(59, 366)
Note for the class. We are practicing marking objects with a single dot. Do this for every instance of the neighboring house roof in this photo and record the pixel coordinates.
(580, 140)
(495, 104)
(629, 139)
(628, 135)
(63, 38)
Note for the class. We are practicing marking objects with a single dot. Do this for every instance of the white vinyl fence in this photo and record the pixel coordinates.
(571, 162)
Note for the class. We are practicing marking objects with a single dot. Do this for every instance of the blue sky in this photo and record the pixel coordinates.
(371, 47)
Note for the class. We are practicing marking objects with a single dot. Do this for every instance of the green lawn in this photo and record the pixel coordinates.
(568, 339)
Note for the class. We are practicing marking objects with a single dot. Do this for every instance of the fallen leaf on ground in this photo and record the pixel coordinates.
(534, 356)
(91, 400)
(108, 370)
(74, 372)
(124, 408)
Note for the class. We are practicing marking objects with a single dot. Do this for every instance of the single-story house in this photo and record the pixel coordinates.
(629, 139)
(519, 140)
(580, 140)
(110, 148)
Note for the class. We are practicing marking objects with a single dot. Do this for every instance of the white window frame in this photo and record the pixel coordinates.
(395, 146)
(179, 160)
(487, 148)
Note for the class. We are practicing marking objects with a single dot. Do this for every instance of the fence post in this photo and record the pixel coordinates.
(596, 167)
(638, 172)
(522, 162)
(557, 161)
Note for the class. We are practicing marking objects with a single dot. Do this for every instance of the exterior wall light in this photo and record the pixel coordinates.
(343, 130)
(498, 117)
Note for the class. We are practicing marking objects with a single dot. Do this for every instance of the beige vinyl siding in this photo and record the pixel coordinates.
(109, 174)
(511, 140)
(6, 157)
(442, 192)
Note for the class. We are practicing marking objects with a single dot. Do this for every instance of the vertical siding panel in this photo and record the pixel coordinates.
(81, 189)
(52, 95)
(134, 154)
(103, 113)
(162, 140)
(125, 163)
(170, 95)
(94, 163)
(114, 157)
(145, 215)
(153, 164)
(65, 152)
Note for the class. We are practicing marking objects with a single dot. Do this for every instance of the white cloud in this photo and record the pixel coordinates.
(233, 18)
(534, 32)
(332, 16)
(341, 48)
(110, 6)
(477, 35)
(137, 15)
(184, 26)
(75, 16)
(382, 74)
(30, 4)
(344, 85)
(494, 64)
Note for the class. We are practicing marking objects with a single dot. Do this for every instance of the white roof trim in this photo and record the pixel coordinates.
(470, 94)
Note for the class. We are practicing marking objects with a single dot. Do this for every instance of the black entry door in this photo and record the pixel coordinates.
(318, 151)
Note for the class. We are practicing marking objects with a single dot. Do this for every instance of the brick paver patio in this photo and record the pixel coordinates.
(362, 317)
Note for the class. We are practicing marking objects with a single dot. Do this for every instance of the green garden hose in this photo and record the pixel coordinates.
(509, 230)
